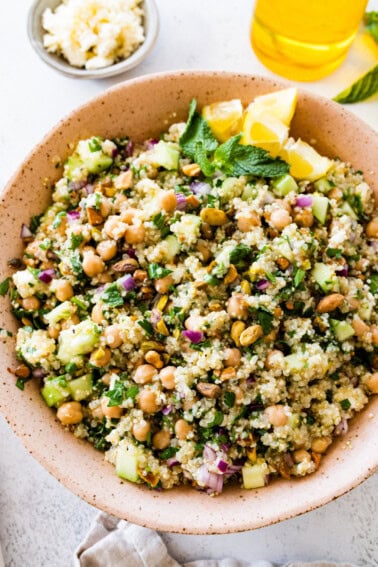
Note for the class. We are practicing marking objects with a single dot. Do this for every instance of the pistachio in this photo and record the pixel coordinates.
(191, 169)
(330, 303)
(127, 266)
(152, 345)
(231, 275)
(208, 390)
(250, 335)
(94, 217)
(214, 217)
(236, 330)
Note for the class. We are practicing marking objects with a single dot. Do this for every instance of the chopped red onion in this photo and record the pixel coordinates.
(167, 410)
(39, 373)
(209, 454)
(172, 462)
(77, 185)
(251, 380)
(210, 480)
(222, 465)
(200, 188)
(25, 231)
(225, 447)
(89, 189)
(151, 143)
(100, 289)
(194, 336)
(114, 152)
(342, 427)
(288, 460)
(73, 215)
(343, 272)
(128, 283)
(181, 202)
(155, 316)
(130, 148)
(262, 284)
(304, 201)
(131, 253)
(46, 276)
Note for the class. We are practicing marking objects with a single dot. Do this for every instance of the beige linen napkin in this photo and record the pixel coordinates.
(111, 542)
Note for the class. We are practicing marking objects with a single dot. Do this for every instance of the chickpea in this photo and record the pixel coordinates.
(372, 228)
(114, 228)
(128, 215)
(372, 383)
(162, 284)
(73, 320)
(112, 411)
(92, 265)
(182, 429)
(53, 332)
(374, 335)
(232, 357)
(100, 357)
(276, 415)
(321, 444)
(274, 359)
(168, 201)
(203, 249)
(301, 456)
(335, 194)
(280, 218)
(237, 307)
(97, 413)
(107, 249)
(161, 439)
(63, 290)
(105, 207)
(97, 314)
(330, 303)
(360, 327)
(353, 303)
(304, 218)
(141, 430)
(135, 234)
(147, 401)
(30, 303)
(167, 377)
(154, 358)
(248, 221)
(70, 413)
(144, 374)
(193, 323)
(112, 336)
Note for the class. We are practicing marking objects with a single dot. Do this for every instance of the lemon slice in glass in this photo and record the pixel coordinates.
(264, 131)
(280, 104)
(305, 162)
(224, 118)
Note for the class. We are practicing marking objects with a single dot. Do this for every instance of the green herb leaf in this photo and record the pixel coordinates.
(271, 277)
(334, 253)
(132, 392)
(155, 271)
(77, 267)
(159, 222)
(363, 88)
(299, 276)
(76, 240)
(265, 319)
(4, 286)
(237, 159)
(229, 399)
(94, 145)
(35, 221)
(218, 419)
(168, 453)
(345, 404)
(371, 24)
(201, 158)
(58, 219)
(374, 284)
(116, 395)
(111, 296)
(201, 345)
(240, 256)
(197, 136)
(146, 326)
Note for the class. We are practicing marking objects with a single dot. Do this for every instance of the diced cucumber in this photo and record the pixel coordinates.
(249, 192)
(322, 185)
(285, 250)
(165, 154)
(127, 463)
(294, 362)
(81, 388)
(254, 476)
(172, 247)
(78, 339)
(347, 210)
(342, 330)
(320, 207)
(62, 311)
(325, 277)
(231, 187)
(284, 184)
(54, 392)
(98, 162)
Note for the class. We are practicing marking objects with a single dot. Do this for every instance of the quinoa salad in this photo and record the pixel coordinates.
(197, 307)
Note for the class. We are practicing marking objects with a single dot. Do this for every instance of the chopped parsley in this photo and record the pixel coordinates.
(159, 221)
(94, 145)
(299, 277)
(201, 345)
(334, 253)
(4, 286)
(155, 271)
(265, 319)
(229, 399)
(76, 240)
(345, 404)
(58, 219)
(168, 453)
(146, 326)
(218, 419)
(240, 256)
(112, 296)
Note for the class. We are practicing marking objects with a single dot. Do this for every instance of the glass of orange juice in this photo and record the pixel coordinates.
(304, 40)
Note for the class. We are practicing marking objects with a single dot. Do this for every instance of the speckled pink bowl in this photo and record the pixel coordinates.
(142, 108)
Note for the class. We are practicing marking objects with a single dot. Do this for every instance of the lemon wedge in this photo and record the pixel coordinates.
(224, 118)
(305, 162)
(264, 131)
(280, 104)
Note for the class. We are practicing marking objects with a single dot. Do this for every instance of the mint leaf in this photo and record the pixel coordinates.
(363, 88)
(240, 256)
(197, 135)
(371, 24)
(111, 296)
(235, 159)
(4, 286)
(155, 271)
(116, 395)
(207, 167)
(159, 222)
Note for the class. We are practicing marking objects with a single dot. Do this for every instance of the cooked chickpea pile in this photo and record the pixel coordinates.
(203, 325)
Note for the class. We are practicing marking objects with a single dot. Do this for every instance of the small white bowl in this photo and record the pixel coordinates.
(36, 33)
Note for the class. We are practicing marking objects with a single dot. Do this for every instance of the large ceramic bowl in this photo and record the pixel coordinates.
(142, 108)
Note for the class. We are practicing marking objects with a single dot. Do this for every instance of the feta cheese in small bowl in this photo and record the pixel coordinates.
(93, 39)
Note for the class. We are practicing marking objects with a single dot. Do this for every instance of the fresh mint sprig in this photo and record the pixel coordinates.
(365, 87)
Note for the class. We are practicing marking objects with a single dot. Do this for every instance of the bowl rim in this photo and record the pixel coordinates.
(151, 18)
(233, 524)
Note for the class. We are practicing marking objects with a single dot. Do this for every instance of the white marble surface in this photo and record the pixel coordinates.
(40, 521)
